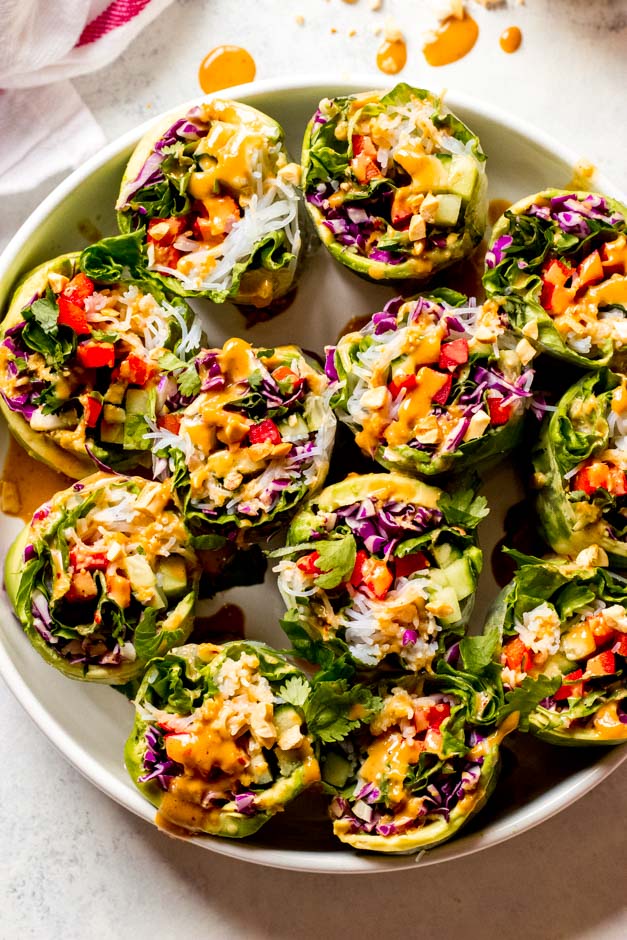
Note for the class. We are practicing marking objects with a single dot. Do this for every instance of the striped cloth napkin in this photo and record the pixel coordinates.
(45, 127)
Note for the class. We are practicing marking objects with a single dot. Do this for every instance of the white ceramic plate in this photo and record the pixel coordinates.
(89, 724)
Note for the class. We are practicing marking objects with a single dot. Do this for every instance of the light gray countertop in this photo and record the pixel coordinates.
(75, 865)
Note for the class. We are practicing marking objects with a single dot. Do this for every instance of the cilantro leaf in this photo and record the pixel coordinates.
(336, 561)
(187, 377)
(295, 691)
(463, 508)
(45, 312)
(333, 709)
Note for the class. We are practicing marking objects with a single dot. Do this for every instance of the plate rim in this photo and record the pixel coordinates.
(563, 795)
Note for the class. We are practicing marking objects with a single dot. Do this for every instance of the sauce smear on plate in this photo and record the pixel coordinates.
(34, 481)
(225, 66)
(392, 56)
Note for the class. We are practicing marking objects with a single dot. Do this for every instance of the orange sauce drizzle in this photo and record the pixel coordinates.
(35, 482)
(392, 56)
(510, 39)
(453, 40)
(225, 66)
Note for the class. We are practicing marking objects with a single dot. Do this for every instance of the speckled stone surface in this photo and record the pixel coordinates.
(74, 864)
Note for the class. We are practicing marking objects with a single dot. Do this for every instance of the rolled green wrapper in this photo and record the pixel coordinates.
(394, 183)
(562, 627)
(413, 775)
(103, 579)
(558, 261)
(382, 568)
(216, 745)
(211, 197)
(580, 463)
(87, 360)
(433, 384)
(252, 444)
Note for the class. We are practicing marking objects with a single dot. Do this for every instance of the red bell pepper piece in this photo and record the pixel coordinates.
(308, 563)
(96, 355)
(70, 314)
(438, 713)
(265, 431)
(283, 374)
(91, 411)
(571, 688)
(517, 655)
(363, 144)
(406, 565)
(499, 413)
(136, 370)
(165, 231)
(453, 354)
(441, 396)
(373, 573)
(78, 289)
(169, 423)
(409, 383)
(92, 561)
(600, 475)
(603, 664)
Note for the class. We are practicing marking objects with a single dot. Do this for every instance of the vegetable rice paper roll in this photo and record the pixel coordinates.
(415, 774)
(559, 260)
(216, 746)
(580, 468)
(84, 364)
(382, 567)
(433, 384)
(564, 648)
(254, 442)
(213, 197)
(394, 182)
(103, 579)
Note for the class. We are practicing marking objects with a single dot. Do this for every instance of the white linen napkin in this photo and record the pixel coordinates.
(45, 127)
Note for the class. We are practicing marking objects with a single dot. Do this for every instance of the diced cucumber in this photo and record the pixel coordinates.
(461, 577)
(558, 665)
(115, 393)
(335, 770)
(447, 212)
(112, 414)
(139, 406)
(462, 176)
(446, 553)
(293, 429)
(285, 717)
(137, 401)
(172, 576)
(446, 596)
(111, 433)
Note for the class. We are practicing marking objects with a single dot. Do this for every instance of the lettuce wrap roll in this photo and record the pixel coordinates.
(103, 579)
(394, 182)
(563, 626)
(382, 568)
(216, 746)
(413, 775)
(580, 462)
(432, 384)
(212, 196)
(559, 261)
(253, 443)
(84, 364)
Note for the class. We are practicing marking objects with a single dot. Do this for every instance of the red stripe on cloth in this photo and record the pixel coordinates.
(116, 14)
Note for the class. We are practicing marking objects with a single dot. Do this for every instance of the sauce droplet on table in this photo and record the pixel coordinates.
(452, 41)
(34, 481)
(510, 39)
(225, 66)
(392, 56)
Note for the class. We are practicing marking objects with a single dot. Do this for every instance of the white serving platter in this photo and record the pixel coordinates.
(89, 724)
